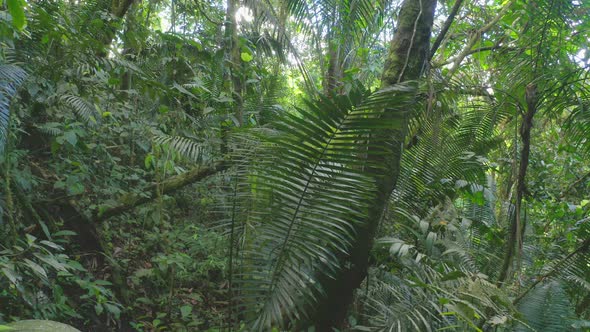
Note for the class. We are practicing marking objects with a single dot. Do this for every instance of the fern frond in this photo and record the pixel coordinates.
(11, 77)
(50, 128)
(187, 147)
(425, 298)
(81, 107)
(546, 308)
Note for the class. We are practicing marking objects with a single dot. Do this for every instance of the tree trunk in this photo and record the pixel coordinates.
(406, 60)
(234, 57)
(118, 9)
(517, 228)
(334, 72)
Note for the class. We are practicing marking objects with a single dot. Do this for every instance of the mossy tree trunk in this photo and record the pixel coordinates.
(406, 61)
(129, 201)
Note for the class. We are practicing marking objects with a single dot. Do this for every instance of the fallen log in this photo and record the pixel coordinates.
(130, 200)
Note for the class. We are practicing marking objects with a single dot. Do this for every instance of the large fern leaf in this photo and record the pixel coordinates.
(187, 147)
(81, 107)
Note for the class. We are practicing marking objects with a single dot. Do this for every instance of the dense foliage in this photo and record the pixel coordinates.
(248, 165)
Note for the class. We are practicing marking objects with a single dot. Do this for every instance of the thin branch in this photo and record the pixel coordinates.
(498, 46)
(204, 13)
(475, 37)
(443, 32)
(574, 184)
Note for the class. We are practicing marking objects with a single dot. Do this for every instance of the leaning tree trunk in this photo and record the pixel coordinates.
(406, 60)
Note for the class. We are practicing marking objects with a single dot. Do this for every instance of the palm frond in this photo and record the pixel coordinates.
(426, 298)
(445, 154)
(81, 107)
(189, 148)
(546, 308)
(50, 128)
(578, 124)
(11, 77)
(310, 192)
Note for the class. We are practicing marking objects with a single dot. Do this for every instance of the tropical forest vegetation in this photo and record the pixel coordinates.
(295, 165)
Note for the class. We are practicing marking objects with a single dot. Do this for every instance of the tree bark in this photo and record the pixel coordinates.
(334, 72)
(118, 9)
(406, 60)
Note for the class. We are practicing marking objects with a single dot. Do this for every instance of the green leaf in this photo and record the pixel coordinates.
(70, 136)
(30, 239)
(75, 188)
(52, 245)
(113, 309)
(36, 268)
(498, 320)
(149, 161)
(17, 11)
(51, 261)
(64, 233)
(11, 275)
(186, 310)
(246, 57)
(6, 328)
(577, 324)
(41, 326)
(452, 275)
(76, 266)
(163, 109)
(45, 229)
(102, 282)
